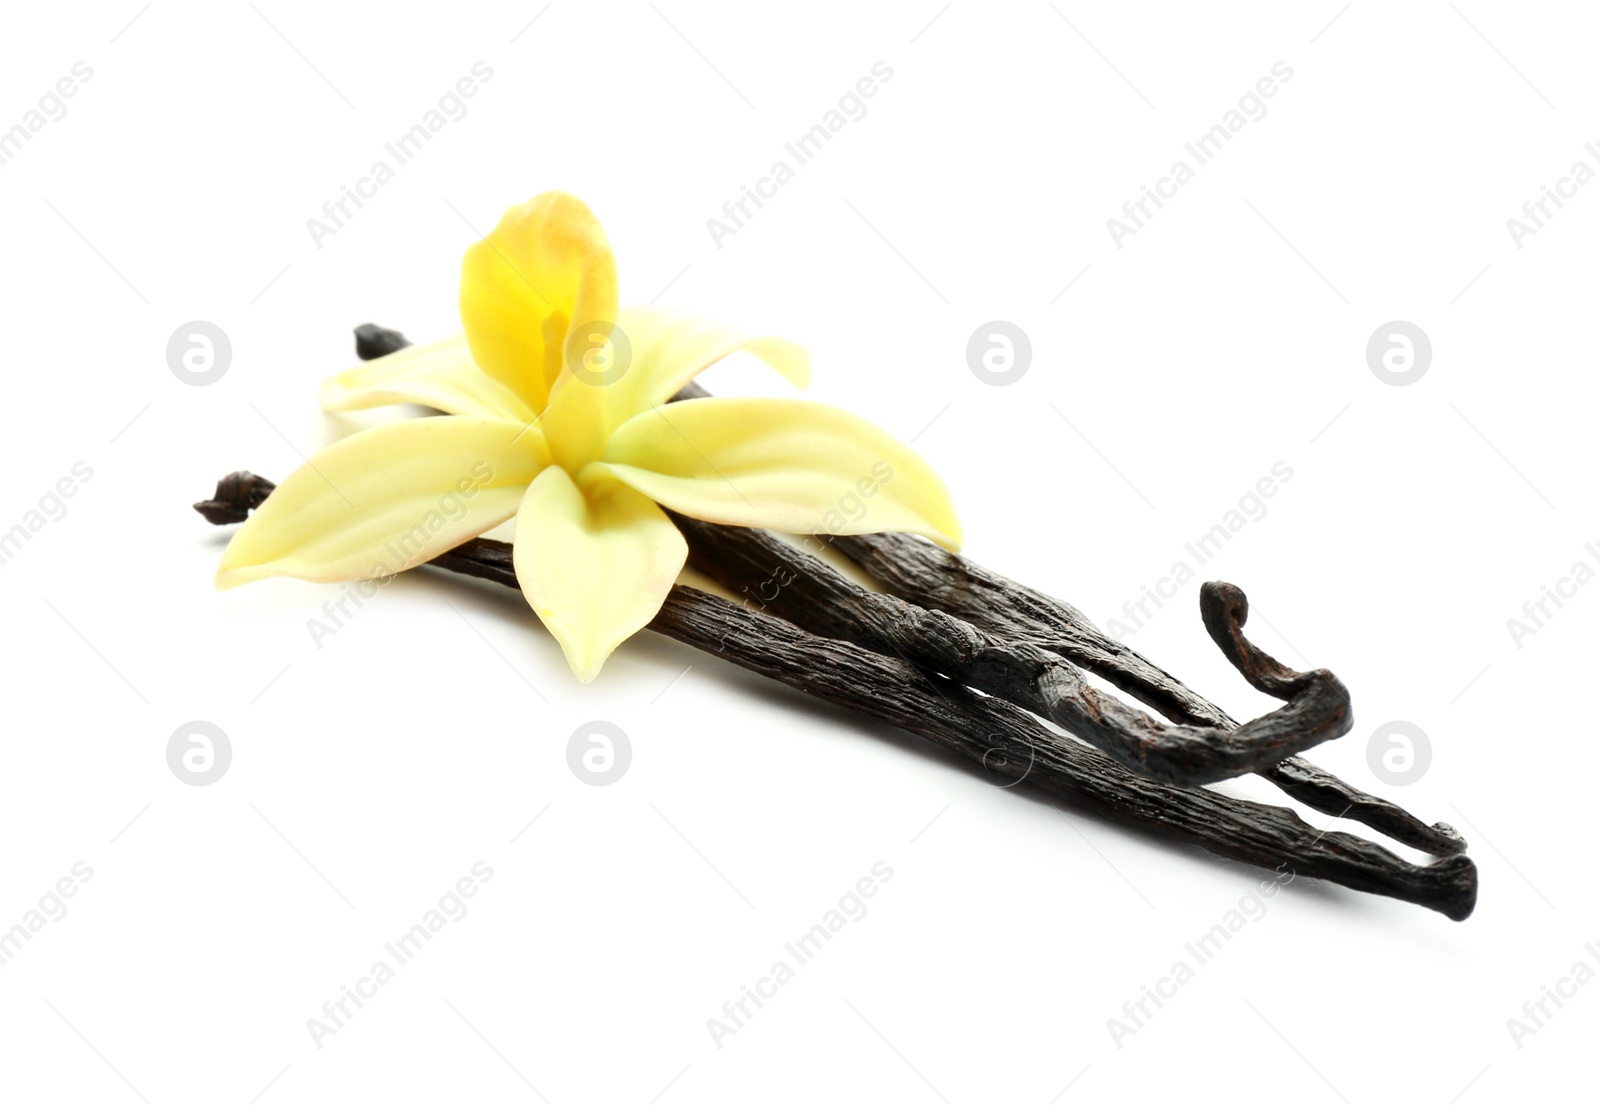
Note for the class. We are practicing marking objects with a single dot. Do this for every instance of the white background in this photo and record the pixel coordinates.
(372, 772)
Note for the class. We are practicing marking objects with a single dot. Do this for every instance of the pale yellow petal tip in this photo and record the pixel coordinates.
(944, 525)
(335, 395)
(951, 541)
(945, 534)
(795, 364)
(232, 577)
(954, 532)
(583, 657)
(237, 566)
(937, 521)
(791, 360)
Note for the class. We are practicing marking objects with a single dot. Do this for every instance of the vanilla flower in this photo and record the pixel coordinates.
(556, 415)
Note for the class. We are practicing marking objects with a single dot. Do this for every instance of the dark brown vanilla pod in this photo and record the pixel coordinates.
(236, 497)
(373, 341)
(994, 735)
(818, 598)
(927, 575)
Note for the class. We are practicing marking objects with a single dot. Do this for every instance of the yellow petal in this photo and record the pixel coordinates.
(546, 268)
(387, 499)
(595, 563)
(790, 465)
(670, 348)
(657, 351)
(440, 375)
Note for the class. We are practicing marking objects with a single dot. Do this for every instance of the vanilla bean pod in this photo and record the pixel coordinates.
(988, 731)
(925, 574)
(1015, 621)
(980, 728)
(803, 589)
(935, 579)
